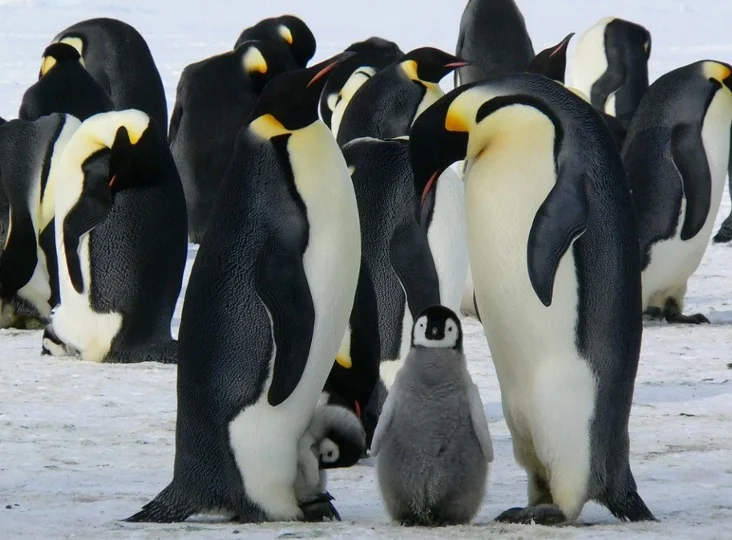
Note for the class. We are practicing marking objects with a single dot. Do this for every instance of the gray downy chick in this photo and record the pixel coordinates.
(334, 439)
(432, 444)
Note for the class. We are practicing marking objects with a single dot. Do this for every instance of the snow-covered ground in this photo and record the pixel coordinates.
(84, 445)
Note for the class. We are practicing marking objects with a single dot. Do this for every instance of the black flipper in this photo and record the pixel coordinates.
(283, 287)
(605, 86)
(47, 241)
(687, 150)
(560, 220)
(412, 261)
(168, 507)
(20, 256)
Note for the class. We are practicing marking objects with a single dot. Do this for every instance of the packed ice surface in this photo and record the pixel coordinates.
(83, 445)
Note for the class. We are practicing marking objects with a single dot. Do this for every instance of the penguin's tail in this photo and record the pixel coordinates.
(626, 505)
(170, 506)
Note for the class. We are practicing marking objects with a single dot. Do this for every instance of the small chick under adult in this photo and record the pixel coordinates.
(334, 439)
(432, 443)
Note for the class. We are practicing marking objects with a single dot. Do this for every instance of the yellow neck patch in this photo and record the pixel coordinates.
(46, 65)
(267, 127)
(286, 34)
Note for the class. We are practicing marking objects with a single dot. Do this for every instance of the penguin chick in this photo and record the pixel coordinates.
(334, 439)
(432, 443)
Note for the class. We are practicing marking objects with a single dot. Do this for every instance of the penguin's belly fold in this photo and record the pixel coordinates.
(547, 388)
(268, 461)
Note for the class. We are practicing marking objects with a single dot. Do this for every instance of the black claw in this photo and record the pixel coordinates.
(542, 514)
(320, 508)
(678, 318)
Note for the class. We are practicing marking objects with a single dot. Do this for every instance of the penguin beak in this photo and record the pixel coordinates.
(562, 46)
(428, 186)
(457, 64)
(329, 65)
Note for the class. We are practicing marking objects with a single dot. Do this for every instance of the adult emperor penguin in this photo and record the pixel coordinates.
(372, 55)
(676, 155)
(725, 230)
(120, 223)
(64, 86)
(118, 57)
(215, 98)
(555, 261)
(30, 153)
(494, 39)
(287, 222)
(610, 65)
(289, 33)
(385, 106)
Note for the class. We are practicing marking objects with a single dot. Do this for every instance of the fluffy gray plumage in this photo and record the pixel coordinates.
(432, 444)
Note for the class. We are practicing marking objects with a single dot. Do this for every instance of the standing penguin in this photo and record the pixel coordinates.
(494, 39)
(118, 57)
(725, 230)
(432, 444)
(281, 259)
(64, 86)
(677, 155)
(372, 55)
(555, 261)
(288, 33)
(30, 154)
(385, 106)
(215, 98)
(120, 223)
(610, 65)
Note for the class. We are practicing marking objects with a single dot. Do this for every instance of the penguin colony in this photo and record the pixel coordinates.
(338, 246)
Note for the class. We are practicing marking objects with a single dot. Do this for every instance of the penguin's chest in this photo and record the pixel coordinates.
(504, 191)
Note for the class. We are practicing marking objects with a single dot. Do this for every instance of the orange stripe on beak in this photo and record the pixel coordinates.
(428, 187)
(111, 180)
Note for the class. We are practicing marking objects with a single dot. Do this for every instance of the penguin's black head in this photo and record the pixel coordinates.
(290, 100)
(58, 53)
(286, 30)
(344, 442)
(430, 65)
(437, 327)
(261, 61)
(437, 140)
(552, 62)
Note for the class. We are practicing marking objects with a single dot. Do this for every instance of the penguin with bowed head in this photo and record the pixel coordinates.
(288, 33)
(494, 39)
(118, 57)
(385, 106)
(567, 280)
(214, 99)
(281, 257)
(677, 155)
(372, 55)
(334, 439)
(432, 444)
(30, 154)
(64, 86)
(120, 223)
(610, 65)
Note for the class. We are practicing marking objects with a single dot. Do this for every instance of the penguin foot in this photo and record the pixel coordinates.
(654, 313)
(542, 514)
(724, 234)
(678, 318)
(320, 508)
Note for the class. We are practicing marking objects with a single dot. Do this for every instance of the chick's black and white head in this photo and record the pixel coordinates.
(341, 449)
(437, 327)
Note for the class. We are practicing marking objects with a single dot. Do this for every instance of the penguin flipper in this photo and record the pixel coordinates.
(560, 220)
(282, 286)
(174, 123)
(412, 261)
(692, 164)
(480, 422)
(20, 256)
(382, 426)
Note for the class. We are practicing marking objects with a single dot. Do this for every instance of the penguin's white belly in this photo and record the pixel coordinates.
(589, 62)
(547, 389)
(38, 290)
(353, 83)
(268, 462)
(674, 260)
(448, 240)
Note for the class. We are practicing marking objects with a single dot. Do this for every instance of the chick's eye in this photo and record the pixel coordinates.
(330, 453)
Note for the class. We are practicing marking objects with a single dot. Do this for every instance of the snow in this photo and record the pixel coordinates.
(84, 445)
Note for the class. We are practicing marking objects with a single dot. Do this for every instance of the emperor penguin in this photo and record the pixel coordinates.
(372, 55)
(385, 106)
(610, 65)
(120, 224)
(118, 57)
(554, 255)
(30, 154)
(214, 99)
(334, 439)
(64, 86)
(288, 33)
(432, 444)
(725, 230)
(494, 39)
(280, 259)
(676, 156)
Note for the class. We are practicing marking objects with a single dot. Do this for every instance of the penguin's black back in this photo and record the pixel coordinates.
(493, 37)
(66, 88)
(118, 57)
(383, 107)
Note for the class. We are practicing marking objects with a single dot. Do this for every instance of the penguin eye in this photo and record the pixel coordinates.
(330, 453)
